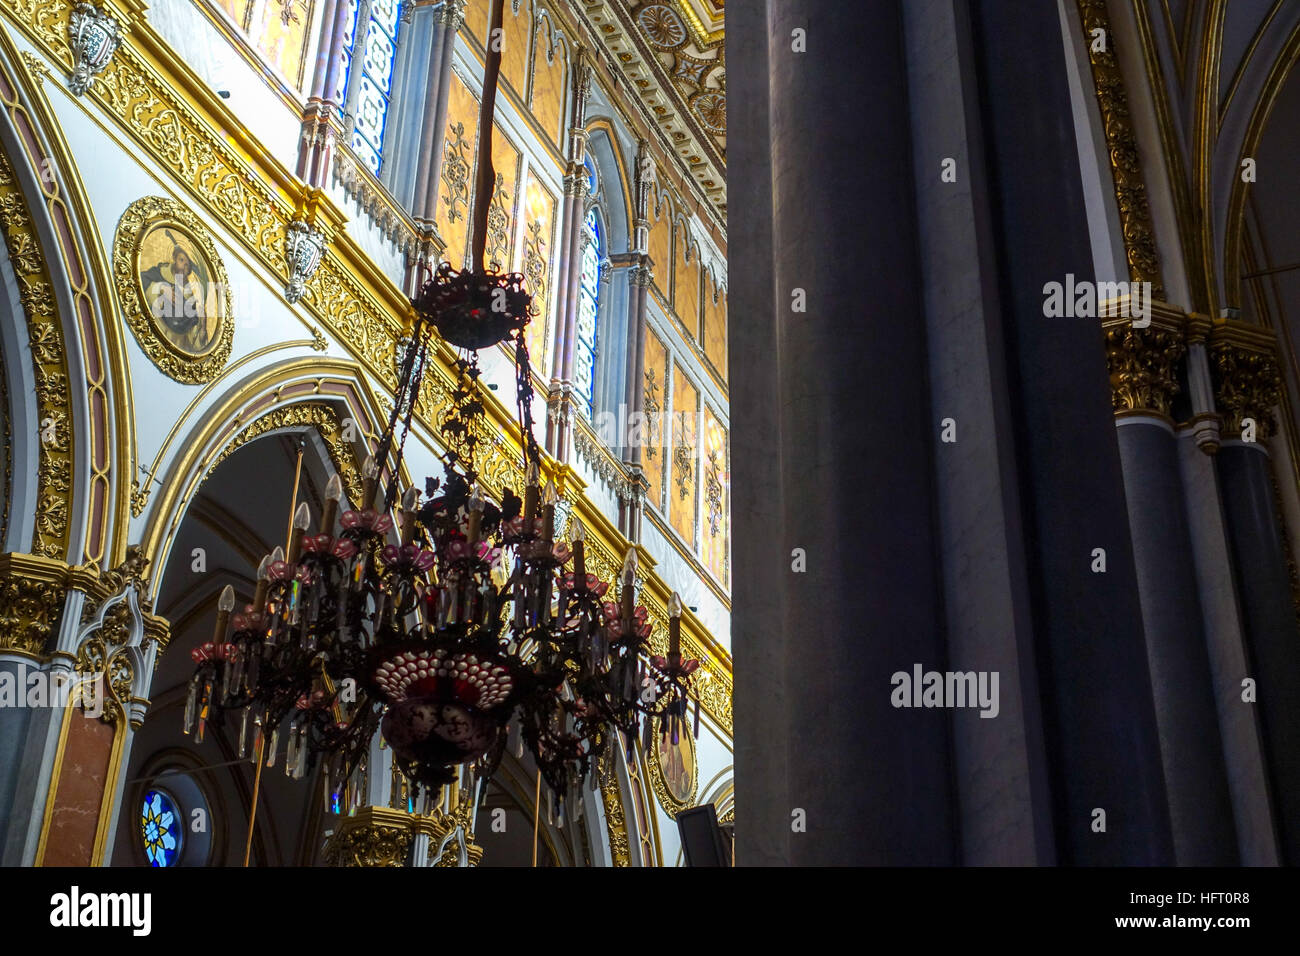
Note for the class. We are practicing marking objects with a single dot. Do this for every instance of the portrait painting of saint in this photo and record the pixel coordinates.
(178, 289)
(677, 764)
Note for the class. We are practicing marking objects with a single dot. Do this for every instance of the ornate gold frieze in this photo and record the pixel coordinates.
(318, 415)
(54, 492)
(373, 836)
(149, 225)
(1121, 143)
(1247, 380)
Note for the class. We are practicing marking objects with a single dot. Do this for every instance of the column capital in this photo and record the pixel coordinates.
(1143, 361)
(1246, 376)
(452, 14)
(374, 836)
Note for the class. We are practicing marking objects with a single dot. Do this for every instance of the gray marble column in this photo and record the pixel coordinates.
(1099, 717)
(1269, 618)
(1200, 809)
(446, 25)
(831, 432)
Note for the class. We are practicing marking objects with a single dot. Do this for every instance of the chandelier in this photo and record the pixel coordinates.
(463, 628)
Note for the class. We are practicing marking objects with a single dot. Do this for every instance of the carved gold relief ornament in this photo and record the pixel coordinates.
(1122, 146)
(373, 836)
(33, 590)
(54, 492)
(318, 415)
(1143, 361)
(178, 307)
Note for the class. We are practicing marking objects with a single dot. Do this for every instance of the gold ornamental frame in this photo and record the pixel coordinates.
(137, 223)
(654, 767)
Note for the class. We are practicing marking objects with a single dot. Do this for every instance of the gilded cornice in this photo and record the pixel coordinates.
(1122, 146)
(624, 47)
(54, 491)
(1247, 379)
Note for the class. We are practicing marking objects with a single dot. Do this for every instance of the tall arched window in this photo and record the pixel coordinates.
(593, 250)
(369, 52)
(584, 360)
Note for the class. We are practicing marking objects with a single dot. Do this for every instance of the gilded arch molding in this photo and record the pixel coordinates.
(74, 303)
(54, 484)
(300, 393)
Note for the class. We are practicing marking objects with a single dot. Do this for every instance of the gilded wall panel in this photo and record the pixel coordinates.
(549, 87)
(478, 13)
(539, 240)
(686, 280)
(661, 245)
(516, 40)
(282, 32)
(501, 214)
(459, 148)
(716, 474)
(685, 456)
(715, 326)
(655, 402)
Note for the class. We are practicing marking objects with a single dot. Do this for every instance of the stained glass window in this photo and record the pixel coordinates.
(584, 360)
(374, 81)
(161, 830)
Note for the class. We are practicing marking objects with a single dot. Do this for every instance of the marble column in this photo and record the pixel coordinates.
(321, 116)
(1143, 366)
(433, 131)
(1247, 385)
(560, 398)
(433, 127)
(1100, 731)
(835, 580)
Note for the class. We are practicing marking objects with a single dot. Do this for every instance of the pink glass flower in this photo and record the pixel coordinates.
(370, 519)
(210, 651)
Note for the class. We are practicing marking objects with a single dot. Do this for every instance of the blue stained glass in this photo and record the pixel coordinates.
(160, 827)
(378, 62)
(588, 294)
(349, 37)
(376, 59)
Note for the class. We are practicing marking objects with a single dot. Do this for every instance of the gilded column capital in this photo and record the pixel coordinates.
(452, 14)
(374, 836)
(1247, 379)
(1143, 361)
(32, 592)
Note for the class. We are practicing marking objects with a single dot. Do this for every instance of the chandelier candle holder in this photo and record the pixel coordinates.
(457, 631)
